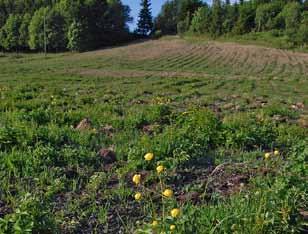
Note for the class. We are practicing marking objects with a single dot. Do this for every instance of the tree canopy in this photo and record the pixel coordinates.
(278, 17)
(59, 24)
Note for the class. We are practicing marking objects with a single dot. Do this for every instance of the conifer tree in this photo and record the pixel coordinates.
(145, 22)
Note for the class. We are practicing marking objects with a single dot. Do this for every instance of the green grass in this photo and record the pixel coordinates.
(274, 39)
(204, 114)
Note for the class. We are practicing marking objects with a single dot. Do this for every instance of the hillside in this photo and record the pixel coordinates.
(216, 131)
(171, 55)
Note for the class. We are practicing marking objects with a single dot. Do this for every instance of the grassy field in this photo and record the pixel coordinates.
(228, 123)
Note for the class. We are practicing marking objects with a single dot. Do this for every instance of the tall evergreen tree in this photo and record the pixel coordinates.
(145, 22)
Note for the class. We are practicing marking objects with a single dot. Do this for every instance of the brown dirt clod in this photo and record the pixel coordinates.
(108, 156)
(84, 124)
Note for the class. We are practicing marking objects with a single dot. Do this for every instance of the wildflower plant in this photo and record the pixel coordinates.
(160, 205)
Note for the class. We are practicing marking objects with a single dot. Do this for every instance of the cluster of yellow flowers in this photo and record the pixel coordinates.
(4, 88)
(269, 154)
(165, 193)
(53, 100)
(161, 101)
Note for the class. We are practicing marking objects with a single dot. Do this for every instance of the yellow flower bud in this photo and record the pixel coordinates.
(136, 179)
(233, 227)
(154, 223)
(175, 212)
(138, 196)
(168, 193)
(172, 227)
(276, 152)
(160, 169)
(149, 156)
(267, 155)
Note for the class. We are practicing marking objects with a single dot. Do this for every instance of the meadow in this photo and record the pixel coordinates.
(157, 136)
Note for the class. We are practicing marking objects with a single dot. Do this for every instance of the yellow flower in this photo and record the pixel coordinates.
(138, 196)
(276, 152)
(160, 169)
(267, 155)
(175, 212)
(136, 178)
(149, 156)
(154, 223)
(172, 227)
(168, 193)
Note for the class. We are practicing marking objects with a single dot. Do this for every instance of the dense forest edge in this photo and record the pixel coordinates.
(86, 25)
(282, 24)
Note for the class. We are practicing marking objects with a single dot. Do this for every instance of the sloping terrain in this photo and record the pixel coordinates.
(177, 55)
(228, 123)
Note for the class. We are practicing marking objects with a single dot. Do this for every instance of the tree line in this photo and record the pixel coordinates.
(55, 25)
(283, 18)
(80, 25)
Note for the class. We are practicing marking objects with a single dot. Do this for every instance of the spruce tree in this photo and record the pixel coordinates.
(145, 22)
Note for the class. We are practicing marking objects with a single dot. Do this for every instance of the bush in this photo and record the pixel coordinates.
(191, 135)
(247, 132)
(157, 34)
(31, 216)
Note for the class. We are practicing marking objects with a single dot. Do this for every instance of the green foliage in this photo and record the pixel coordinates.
(47, 26)
(291, 13)
(217, 19)
(187, 8)
(55, 30)
(265, 16)
(24, 31)
(176, 16)
(157, 34)
(183, 26)
(230, 17)
(201, 21)
(283, 19)
(246, 19)
(302, 34)
(166, 21)
(76, 34)
(10, 35)
(34, 22)
(2, 38)
(55, 179)
(30, 216)
(37, 29)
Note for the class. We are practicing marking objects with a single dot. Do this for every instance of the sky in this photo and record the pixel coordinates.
(135, 7)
